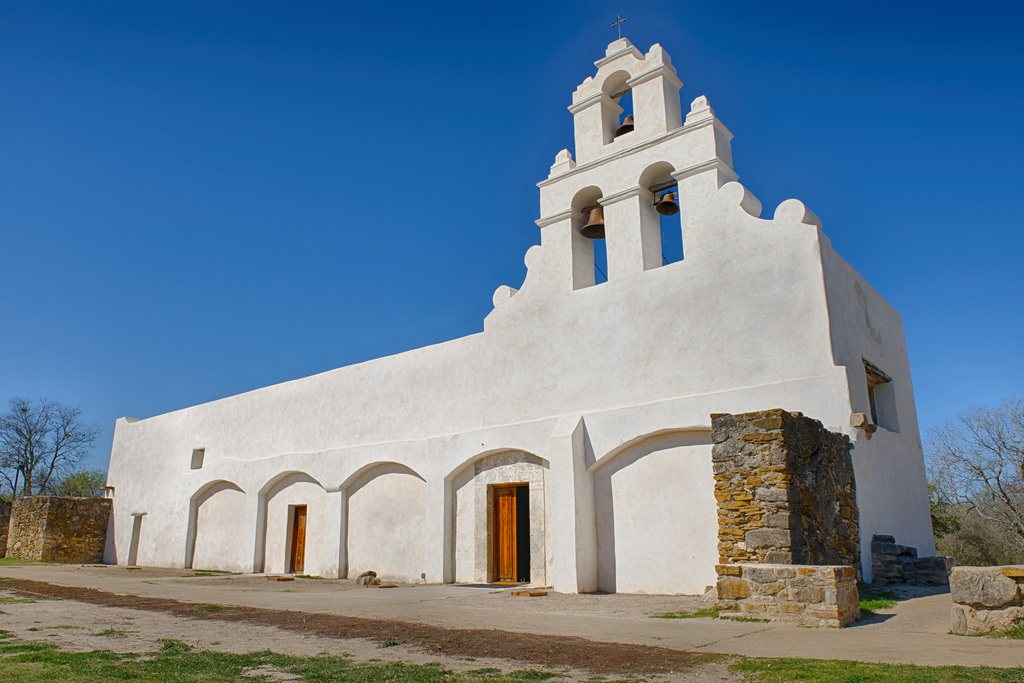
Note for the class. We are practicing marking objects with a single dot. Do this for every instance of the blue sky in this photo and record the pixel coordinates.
(202, 198)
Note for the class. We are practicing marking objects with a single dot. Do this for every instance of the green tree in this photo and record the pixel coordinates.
(81, 483)
(41, 443)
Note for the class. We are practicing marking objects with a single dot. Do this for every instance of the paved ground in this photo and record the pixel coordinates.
(915, 632)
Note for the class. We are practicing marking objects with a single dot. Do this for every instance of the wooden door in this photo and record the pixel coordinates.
(504, 546)
(298, 558)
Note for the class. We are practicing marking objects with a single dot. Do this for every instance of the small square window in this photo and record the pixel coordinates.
(197, 457)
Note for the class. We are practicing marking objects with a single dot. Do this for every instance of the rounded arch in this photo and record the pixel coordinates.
(482, 455)
(677, 435)
(586, 199)
(656, 514)
(203, 494)
(364, 474)
(280, 478)
(616, 83)
(658, 173)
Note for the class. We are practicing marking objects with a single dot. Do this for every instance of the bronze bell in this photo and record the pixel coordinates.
(626, 127)
(668, 205)
(594, 229)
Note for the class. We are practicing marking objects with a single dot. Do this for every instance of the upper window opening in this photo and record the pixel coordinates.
(198, 454)
(881, 397)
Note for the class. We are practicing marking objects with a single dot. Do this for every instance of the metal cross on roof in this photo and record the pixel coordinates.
(618, 23)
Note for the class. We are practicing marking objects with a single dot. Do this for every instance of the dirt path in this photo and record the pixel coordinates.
(133, 624)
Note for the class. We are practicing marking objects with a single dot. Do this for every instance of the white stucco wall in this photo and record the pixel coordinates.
(656, 517)
(387, 518)
(760, 314)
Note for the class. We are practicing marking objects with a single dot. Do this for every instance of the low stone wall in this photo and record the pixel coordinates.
(894, 563)
(5, 523)
(785, 490)
(813, 595)
(986, 599)
(63, 530)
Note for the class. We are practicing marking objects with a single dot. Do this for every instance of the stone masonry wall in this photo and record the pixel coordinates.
(5, 522)
(809, 595)
(986, 599)
(63, 530)
(894, 563)
(785, 491)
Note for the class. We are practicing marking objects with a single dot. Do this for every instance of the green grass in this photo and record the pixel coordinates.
(18, 562)
(24, 662)
(1015, 633)
(209, 608)
(826, 671)
(874, 598)
(112, 633)
(27, 661)
(711, 612)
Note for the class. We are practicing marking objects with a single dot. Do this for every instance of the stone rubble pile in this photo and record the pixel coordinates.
(894, 563)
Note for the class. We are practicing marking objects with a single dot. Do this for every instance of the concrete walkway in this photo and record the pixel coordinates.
(915, 632)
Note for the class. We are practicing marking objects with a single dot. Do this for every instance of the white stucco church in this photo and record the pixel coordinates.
(510, 455)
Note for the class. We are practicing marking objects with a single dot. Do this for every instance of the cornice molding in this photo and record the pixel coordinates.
(621, 154)
(660, 70)
(715, 164)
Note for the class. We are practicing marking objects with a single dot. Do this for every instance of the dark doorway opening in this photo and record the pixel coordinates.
(523, 533)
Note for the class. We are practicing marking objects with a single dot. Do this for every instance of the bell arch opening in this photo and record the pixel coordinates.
(617, 120)
(658, 179)
(590, 256)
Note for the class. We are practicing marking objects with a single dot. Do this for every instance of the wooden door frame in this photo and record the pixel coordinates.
(293, 517)
(492, 526)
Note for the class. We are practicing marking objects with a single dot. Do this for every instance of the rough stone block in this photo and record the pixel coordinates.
(731, 588)
(984, 588)
(807, 594)
(767, 538)
(967, 620)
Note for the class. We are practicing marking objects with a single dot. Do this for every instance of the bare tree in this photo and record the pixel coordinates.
(41, 442)
(976, 464)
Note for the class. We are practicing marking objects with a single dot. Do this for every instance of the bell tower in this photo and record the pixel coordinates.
(622, 169)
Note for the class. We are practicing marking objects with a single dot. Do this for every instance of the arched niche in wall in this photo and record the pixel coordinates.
(387, 523)
(216, 529)
(293, 503)
(473, 487)
(656, 515)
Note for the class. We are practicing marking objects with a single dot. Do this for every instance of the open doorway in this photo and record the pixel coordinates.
(510, 534)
